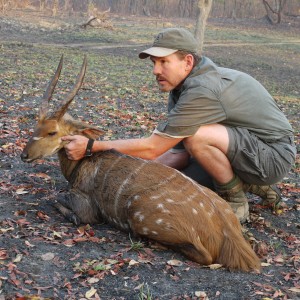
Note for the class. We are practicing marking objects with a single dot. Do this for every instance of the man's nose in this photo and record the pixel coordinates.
(156, 69)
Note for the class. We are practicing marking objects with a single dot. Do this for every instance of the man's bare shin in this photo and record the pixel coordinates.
(215, 163)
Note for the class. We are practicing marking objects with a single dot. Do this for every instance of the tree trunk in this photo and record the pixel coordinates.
(146, 9)
(42, 5)
(204, 7)
(133, 7)
(274, 14)
(55, 8)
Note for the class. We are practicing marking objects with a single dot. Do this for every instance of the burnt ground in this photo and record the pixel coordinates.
(42, 256)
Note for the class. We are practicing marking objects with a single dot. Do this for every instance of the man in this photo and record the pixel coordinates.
(224, 119)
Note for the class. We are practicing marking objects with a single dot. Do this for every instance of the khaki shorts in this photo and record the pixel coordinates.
(258, 162)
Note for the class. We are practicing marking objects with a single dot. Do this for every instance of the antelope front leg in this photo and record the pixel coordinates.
(78, 208)
(63, 206)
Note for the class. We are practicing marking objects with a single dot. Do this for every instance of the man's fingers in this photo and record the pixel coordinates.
(68, 138)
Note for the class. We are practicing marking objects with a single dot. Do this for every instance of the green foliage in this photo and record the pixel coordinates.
(135, 246)
(145, 295)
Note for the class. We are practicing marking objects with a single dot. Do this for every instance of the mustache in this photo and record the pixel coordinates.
(160, 78)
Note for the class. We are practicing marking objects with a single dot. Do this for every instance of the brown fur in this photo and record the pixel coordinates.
(148, 199)
(160, 203)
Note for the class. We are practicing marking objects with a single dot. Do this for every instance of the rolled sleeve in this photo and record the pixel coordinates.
(176, 132)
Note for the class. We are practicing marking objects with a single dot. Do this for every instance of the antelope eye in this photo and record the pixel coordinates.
(52, 133)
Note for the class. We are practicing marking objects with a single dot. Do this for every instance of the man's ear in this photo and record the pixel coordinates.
(189, 59)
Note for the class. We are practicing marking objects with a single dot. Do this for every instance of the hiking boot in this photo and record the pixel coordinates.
(233, 193)
(270, 194)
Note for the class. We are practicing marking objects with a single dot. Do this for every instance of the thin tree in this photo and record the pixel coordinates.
(274, 14)
(42, 5)
(2, 5)
(203, 10)
(55, 8)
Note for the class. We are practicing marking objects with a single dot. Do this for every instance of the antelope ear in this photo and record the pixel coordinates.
(92, 133)
(85, 129)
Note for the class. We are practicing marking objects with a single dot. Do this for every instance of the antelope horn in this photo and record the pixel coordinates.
(50, 89)
(59, 114)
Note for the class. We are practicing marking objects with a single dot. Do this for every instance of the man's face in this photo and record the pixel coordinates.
(171, 70)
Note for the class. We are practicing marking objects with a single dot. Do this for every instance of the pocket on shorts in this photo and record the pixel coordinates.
(251, 163)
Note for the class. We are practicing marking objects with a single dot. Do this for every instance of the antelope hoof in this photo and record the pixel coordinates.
(74, 219)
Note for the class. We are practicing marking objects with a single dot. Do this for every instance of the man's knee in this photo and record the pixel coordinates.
(212, 135)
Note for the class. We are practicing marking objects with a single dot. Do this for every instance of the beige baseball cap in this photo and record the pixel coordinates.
(170, 41)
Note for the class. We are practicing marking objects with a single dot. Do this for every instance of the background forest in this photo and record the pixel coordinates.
(234, 9)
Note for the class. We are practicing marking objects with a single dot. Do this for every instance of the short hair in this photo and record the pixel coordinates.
(182, 54)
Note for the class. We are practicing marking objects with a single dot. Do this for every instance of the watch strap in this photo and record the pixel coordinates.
(88, 151)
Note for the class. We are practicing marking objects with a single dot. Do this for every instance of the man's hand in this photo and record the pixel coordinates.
(76, 146)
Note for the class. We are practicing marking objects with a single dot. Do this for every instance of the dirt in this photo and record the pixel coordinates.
(42, 256)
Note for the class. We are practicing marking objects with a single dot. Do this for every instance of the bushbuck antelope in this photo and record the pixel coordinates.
(139, 196)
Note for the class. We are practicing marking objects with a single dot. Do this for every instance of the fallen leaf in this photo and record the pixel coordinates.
(41, 215)
(47, 256)
(201, 295)
(21, 191)
(279, 259)
(139, 286)
(102, 267)
(80, 239)
(56, 234)
(287, 277)
(28, 244)
(69, 243)
(22, 222)
(135, 278)
(175, 262)
(111, 261)
(133, 262)
(277, 294)
(18, 258)
(263, 264)
(89, 294)
(75, 257)
(261, 249)
(295, 290)
(93, 280)
(6, 145)
(20, 213)
(175, 277)
(215, 266)
(3, 254)
(4, 230)
(44, 176)
(16, 282)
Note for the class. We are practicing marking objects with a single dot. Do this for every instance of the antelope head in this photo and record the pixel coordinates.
(46, 138)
